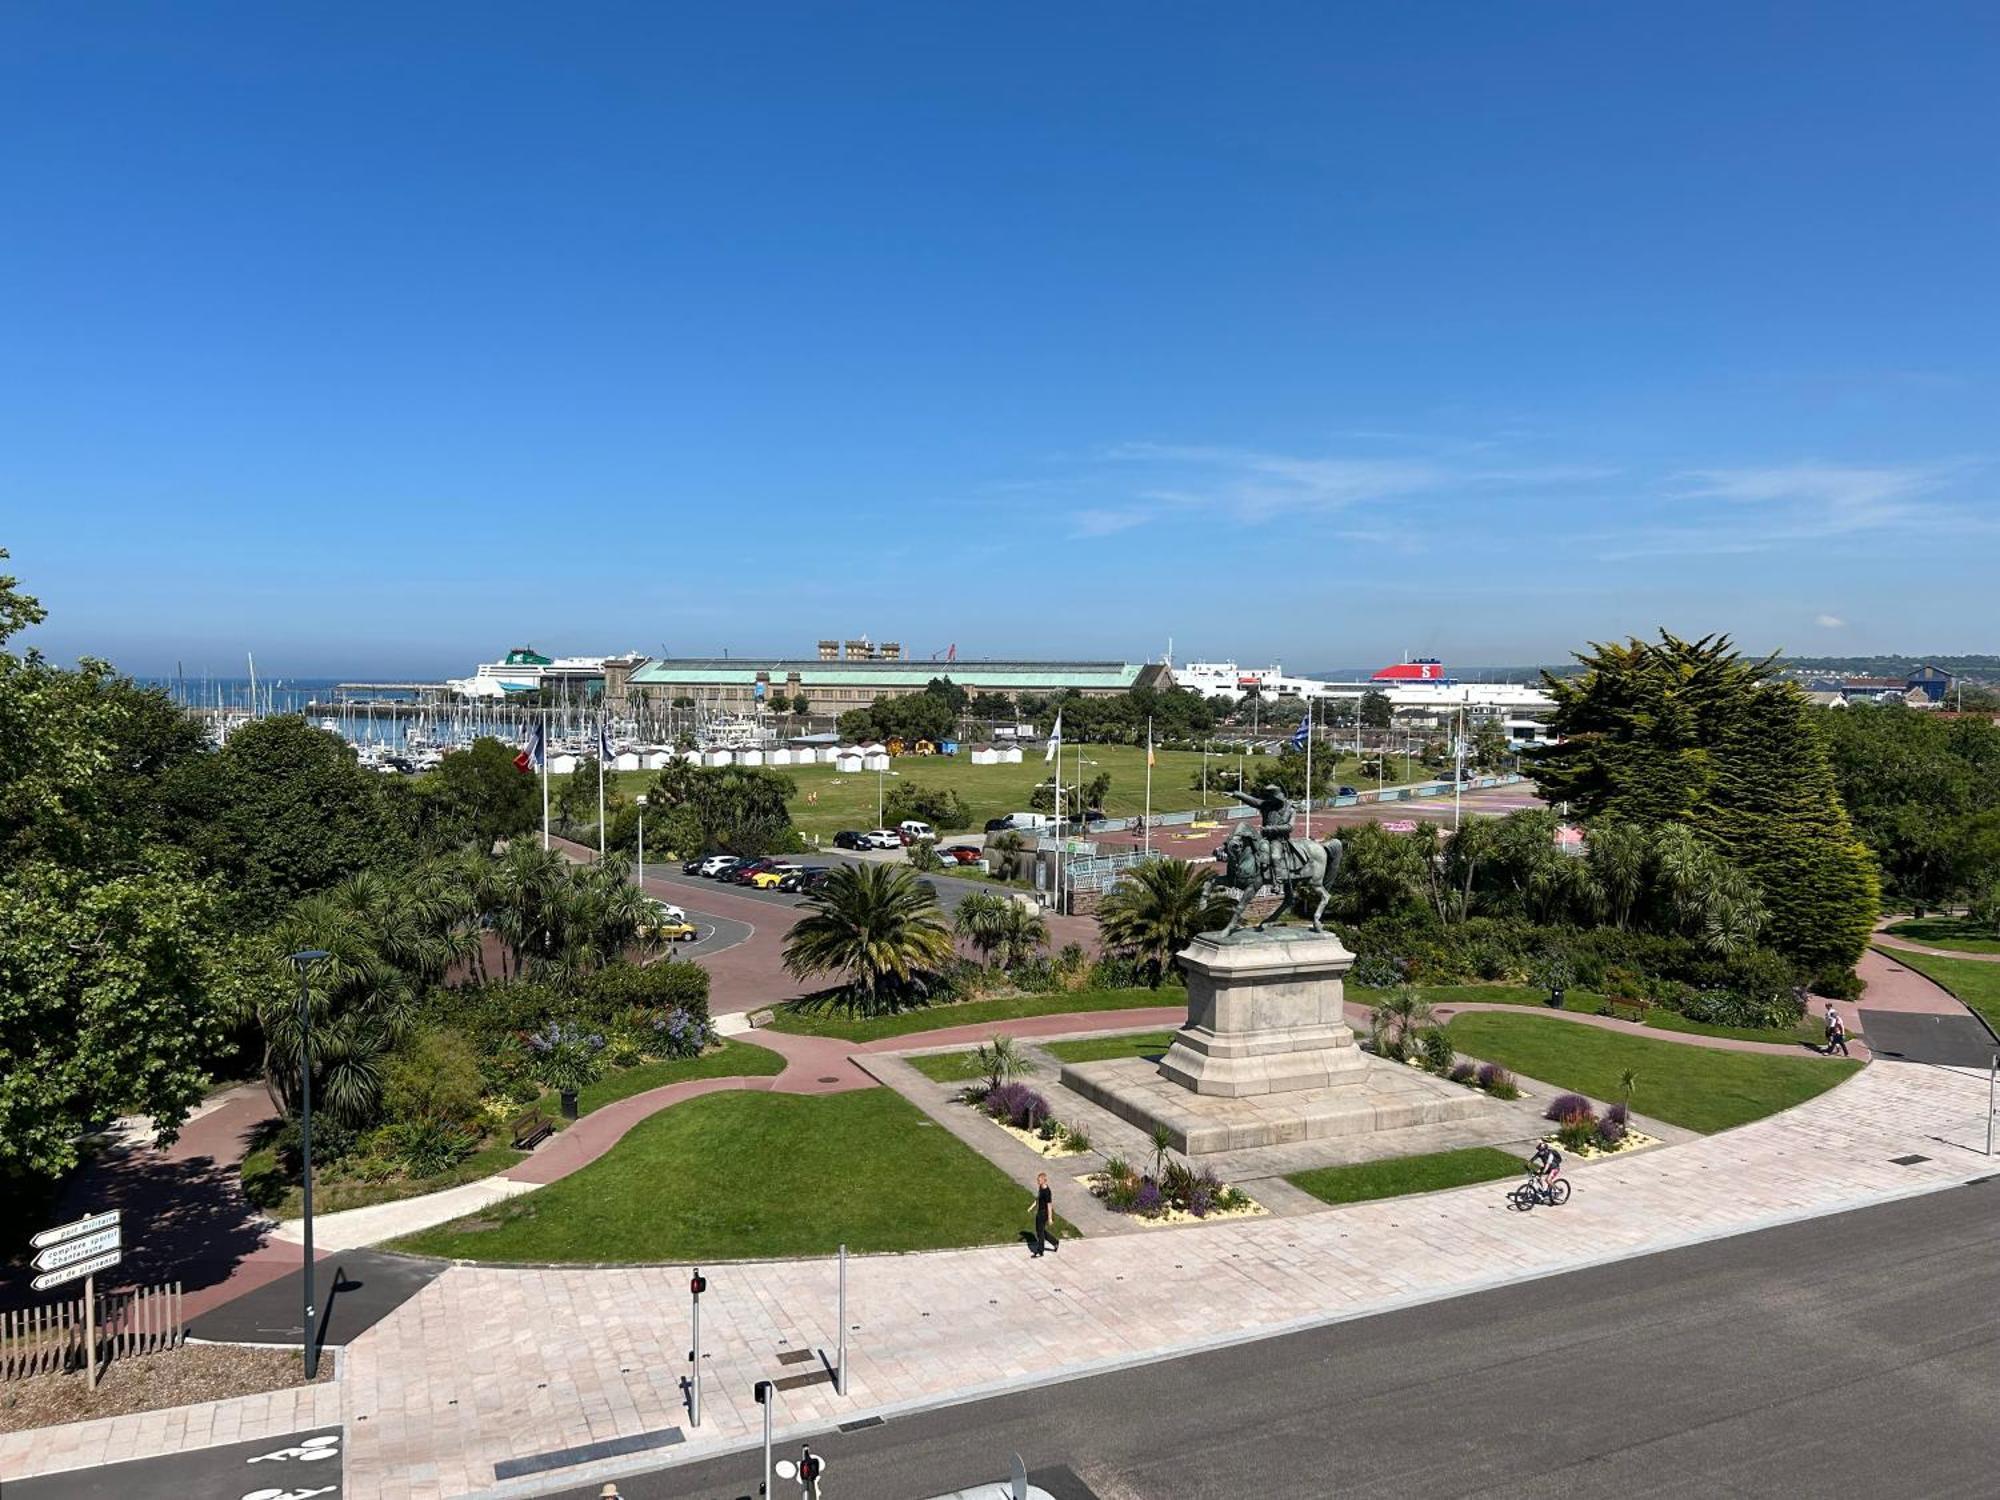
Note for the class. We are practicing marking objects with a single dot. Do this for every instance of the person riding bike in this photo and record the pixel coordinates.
(1545, 1165)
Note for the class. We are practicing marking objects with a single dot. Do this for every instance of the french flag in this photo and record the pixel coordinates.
(530, 758)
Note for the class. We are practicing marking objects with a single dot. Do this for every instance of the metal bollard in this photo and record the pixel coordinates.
(767, 1397)
(697, 1284)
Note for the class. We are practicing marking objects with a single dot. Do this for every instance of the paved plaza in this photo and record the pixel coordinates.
(487, 1367)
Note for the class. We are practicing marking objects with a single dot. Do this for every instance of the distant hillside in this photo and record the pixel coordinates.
(1977, 668)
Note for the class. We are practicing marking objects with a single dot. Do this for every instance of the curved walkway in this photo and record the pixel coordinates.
(1888, 940)
(1638, 1029)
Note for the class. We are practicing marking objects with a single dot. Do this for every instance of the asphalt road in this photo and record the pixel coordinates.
(353, 1290)
(1855, 1356)
(301, 1466)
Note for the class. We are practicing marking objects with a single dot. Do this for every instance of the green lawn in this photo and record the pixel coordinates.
(948, 1067)
(1961, 933)
(727, 1060)
(970, 1013)
(1146, 1044)
(1407, 1174)
(736, 1175)
(993, 791)
(286, 1200)
(1588, 1003)
(1976, 984)
(1701, 1088)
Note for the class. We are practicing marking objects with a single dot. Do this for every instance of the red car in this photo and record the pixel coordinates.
(965, 854)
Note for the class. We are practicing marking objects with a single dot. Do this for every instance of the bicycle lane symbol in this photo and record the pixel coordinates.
(312, 1450)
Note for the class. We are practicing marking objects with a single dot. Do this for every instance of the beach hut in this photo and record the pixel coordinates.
(828, 754)
(879, 761)
(691, 757)
(847, 762)
(718, 757)
(562, 765)
(628, 760)
(1010, 756)
(984, 755)
(750, 757)
(656, 760)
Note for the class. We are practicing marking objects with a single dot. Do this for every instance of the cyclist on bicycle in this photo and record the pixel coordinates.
(1546, 1165)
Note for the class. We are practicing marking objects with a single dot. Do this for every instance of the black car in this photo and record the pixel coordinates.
(847, 838)
(693, 866)
(1347, 791)
(806, 878)
(999, 825)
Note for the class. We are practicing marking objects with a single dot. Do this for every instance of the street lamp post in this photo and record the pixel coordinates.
(304, 960)
(641, 801)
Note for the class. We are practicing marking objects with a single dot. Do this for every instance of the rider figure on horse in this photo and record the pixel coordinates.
(1278, 859)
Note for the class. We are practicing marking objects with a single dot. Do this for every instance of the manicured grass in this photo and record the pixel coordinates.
(727, 1060)
(1147, 1044)
(1810, 1029)
(1961, 933)
(993, 791)
(261, 1185)
(970, 1013)
(1407, 1174)
(1701, 1088)
(1976, 984)
(948, 1067)
(734, 1175)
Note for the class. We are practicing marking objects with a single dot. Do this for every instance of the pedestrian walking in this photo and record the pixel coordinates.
(1045, 1207)
(1836, 1033)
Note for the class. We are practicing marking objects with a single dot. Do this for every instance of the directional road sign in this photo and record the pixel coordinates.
(76, 1272)
(88, 1224)
(84, 1247)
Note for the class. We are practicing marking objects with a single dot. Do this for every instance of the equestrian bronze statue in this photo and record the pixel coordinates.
(1267, 857)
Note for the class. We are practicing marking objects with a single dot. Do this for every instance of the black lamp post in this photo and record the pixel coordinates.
(305, 960)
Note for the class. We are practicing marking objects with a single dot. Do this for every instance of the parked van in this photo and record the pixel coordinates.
(1031, 822)
(914, 830)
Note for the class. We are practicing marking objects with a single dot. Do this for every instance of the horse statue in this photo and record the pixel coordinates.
(1269, 858)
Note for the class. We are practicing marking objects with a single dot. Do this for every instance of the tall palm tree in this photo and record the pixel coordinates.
(878, 928)
(1020, 932)
(978, 920)
(1011, 852)
(1156, 909)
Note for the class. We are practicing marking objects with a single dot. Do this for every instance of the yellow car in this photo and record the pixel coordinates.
(671, 930)
(767, 880)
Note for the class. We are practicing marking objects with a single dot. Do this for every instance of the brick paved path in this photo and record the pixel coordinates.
(489, 1364)
(1886, 941)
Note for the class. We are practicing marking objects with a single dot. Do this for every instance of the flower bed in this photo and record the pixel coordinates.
(1584, 1133)
(1177, 1194)
(1024, 1114)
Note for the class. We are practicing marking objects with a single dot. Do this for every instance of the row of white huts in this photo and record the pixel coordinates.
(845, 759)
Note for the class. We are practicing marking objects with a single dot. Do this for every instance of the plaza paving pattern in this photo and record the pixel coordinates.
(486, 1365)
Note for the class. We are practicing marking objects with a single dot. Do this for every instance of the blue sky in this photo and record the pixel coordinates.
(384, 337)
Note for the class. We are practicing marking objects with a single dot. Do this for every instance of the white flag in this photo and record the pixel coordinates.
(1055, 739)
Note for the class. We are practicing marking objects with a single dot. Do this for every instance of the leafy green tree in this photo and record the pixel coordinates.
(285, 810)
(879, 930)
(993, 707)
(106, 1004)
(801, 705)
(950, 693)
(1375, 709)
(941, 807)
(732, 809)
(1156, 910)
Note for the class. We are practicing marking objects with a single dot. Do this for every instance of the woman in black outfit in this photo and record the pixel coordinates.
(1045, 1200)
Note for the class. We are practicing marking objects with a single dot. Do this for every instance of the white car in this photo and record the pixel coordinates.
(715, 864)
(885, 838)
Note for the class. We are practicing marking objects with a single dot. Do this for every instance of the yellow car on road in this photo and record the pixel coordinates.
(668, 924)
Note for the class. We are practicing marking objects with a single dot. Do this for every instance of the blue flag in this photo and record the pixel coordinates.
(1304, 730)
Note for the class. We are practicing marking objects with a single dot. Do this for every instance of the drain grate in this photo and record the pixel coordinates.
(800, 1382)
(1906, 1161)
(860, 1422)
(829, 1078)
(794, 1356)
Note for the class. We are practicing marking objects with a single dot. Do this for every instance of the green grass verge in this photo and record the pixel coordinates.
(1701, 1088)
(1407, 1174)
(735, 1175)
(970, 1013)
(728, 1060)
(286, 1200)
(993, 791)
(948, 1067)
(1147, 1044)
(1976, 984)
(1961, 933)
(1811, 1029)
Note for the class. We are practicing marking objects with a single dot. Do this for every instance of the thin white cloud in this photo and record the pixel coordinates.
(1828, 622)
(1101, 522)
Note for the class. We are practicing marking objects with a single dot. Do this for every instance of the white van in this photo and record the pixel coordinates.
(912, 830)
(1031, 822)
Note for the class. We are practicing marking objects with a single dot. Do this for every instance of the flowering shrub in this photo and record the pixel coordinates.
(1179, 1187)
(1610, 1133)
(679, 1033)
(1497, 1081)
(1564, 1105)
(1463, 1072)
(1148, 1201)
(1018, 1105)
(565, 1056)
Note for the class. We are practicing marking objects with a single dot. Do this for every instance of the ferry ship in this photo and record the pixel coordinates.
(526, 671)
(1421, 682)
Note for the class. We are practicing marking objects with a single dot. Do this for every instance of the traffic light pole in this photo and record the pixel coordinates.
(697, 1284)
(840, 1370)
(766, 1398)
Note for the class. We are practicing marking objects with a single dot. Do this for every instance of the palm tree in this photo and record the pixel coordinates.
(1002, 1061)
(978, 920)
(1394, 1023)
(879, 928)
(1021, 931)
(1156, 909)
(1011, 849)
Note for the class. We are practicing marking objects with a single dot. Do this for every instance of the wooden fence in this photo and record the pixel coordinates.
(47, 1339)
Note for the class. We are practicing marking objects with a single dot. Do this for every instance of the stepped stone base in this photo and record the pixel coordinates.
(1375, 1096)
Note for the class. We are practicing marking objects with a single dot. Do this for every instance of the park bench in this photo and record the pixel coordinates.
(1627, 1010)
(532, 1129)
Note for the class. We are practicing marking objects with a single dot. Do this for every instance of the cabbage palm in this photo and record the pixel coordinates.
(880, 930)
(1020, 931)
(1156, 909)
(978, 920)
(1394, 1023)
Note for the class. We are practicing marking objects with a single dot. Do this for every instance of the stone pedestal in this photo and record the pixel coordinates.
(1267, 1057)
(1264, 1015)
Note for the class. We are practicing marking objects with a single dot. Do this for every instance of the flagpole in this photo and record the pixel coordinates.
(543, 746)
(1309, 768)
(1146, 823)
(603, 738)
